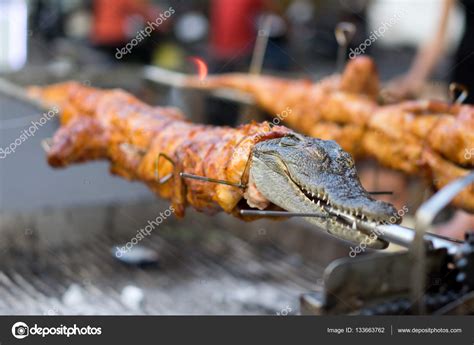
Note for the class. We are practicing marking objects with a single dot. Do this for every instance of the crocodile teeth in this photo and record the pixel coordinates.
(354, 225)
(318, 203)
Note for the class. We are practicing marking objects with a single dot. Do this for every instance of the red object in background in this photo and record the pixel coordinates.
(110, 19)
(233, 27)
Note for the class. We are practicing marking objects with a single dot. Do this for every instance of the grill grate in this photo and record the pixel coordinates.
(223, 275)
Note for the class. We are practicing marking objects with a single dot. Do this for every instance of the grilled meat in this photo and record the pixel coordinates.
(275, 166)
(343, 108)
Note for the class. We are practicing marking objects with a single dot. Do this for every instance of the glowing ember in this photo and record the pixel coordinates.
(201, 67)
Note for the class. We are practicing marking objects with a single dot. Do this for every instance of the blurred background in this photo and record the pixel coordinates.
(60, 38)
(59, 228)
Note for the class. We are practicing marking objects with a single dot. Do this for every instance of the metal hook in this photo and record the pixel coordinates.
(130, 148)
(453, 89)
(240, 185)
(166, 178)
(211, 180)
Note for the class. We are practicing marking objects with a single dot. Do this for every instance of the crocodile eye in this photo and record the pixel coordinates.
(288, 141)
(320, 154)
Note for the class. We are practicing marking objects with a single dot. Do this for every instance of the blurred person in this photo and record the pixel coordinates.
(116, 22)
(47, 17)
(233, 32)
(234, 29)
(429, 54)
(427, 57)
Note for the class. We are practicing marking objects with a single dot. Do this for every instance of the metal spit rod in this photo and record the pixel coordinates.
(392, 233)
(12, 90)
(405, 236)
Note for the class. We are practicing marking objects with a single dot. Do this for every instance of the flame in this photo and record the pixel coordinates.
(201, 67)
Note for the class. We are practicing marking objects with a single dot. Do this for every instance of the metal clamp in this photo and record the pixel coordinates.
(211, 180)
(166, 178)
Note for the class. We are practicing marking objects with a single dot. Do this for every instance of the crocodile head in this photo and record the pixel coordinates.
(303, 174)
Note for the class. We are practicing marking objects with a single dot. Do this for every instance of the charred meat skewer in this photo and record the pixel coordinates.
(278, 167)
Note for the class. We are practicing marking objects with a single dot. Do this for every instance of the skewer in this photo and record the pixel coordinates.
(162, 76)
(382, 192)
(453, 89)
(404, 237)
(281, 214)
(260, 46)
(211, 180)
(19, 93)
(344, 33)
(391, 233)
(248, 112)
